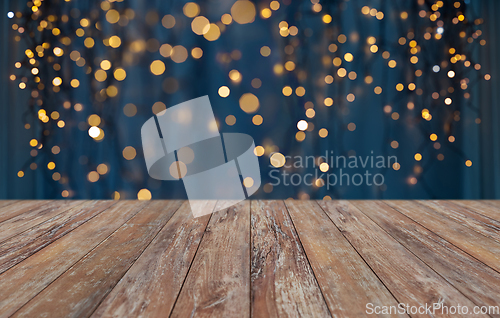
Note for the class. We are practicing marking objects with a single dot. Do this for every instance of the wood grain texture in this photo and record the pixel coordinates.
(276, 253)
(482, 207)
(12, 210)
(409, 279)
(494, 203)
(25, 280)
(34, 216)
(4, 203)
(259, 258)
(218, 283)
(475, 280)
(151, 286)
(20, 247)
(78, 291)
(347, 283)
(475, 221)
(480, 247)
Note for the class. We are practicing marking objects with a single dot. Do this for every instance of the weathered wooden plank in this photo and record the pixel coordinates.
(202, 207)
(478, 282)
(475, 221)
(218, 283)
(25, 280)
(4, 203)
(276, 253)
(78, 291)
(481, 207)
(20, 207)
(495, 203)
(20, 247)
(482, 248)
(410, 280)
(347, 283)
(45, 211)
(151, 286)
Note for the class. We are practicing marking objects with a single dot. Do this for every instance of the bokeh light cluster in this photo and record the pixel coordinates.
(413, 63)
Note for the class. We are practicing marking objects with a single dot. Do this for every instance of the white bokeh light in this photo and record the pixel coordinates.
(302, 125)
(94, 131)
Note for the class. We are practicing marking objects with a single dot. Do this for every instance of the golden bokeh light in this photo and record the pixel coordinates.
(200, 25)
(197, 53)
(179, 54)
(115, 42)
(248, 182)
(93, 176)
(94, 120)
(259, 151)
(129, 153)
(105, 65)
(257, 120)
(191, 9)
(100, 75)
(168, 21)
(142, 195)
(226, 19)
(158, 107)
(266, 13)
(112, 16)
(243, 11)
(57, 81)
(213, 32)
(224, 91)
(120, 74)
(112, 91)
(277, 160)
(328, 101)
(230, 120)
(287, 91)
(265, 51)
(89, 43)
(102, 169)
(324, 167)
(130, 110)
(300, 136)
(249, 103)
(157, 67)
(310, 113)
(58, 51)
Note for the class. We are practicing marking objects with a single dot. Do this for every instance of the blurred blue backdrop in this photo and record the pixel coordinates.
(369, 78)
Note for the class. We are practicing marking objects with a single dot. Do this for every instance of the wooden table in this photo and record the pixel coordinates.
(257, 258)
